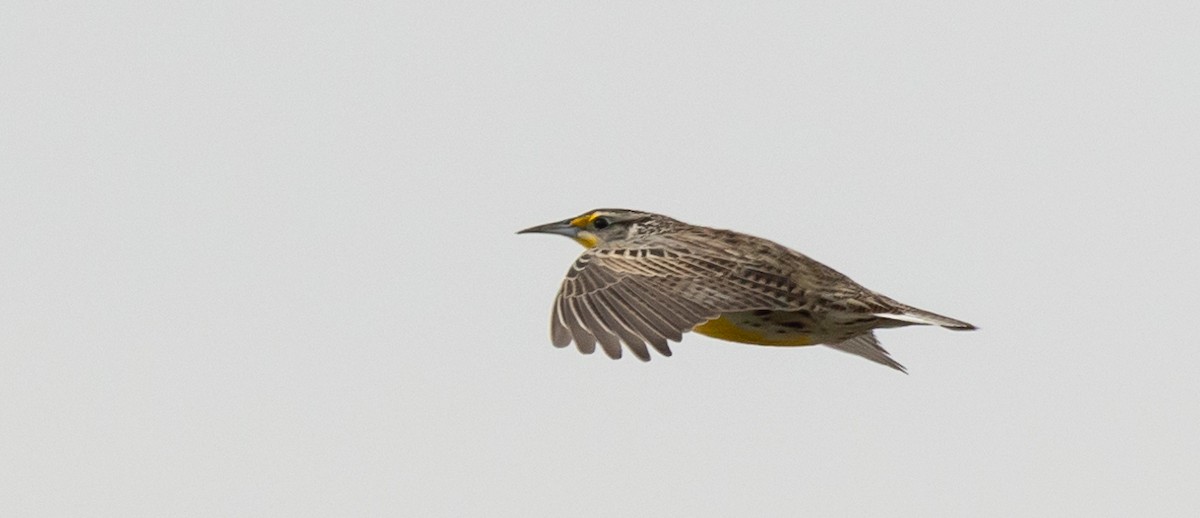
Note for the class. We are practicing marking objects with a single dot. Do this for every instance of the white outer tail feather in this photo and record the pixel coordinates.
(922, 317)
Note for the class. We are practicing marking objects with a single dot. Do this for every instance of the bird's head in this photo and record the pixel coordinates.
(604, 226)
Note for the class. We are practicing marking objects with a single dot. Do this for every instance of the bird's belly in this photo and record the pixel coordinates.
(750, 328)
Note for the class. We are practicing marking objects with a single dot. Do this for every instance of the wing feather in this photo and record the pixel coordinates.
(642, 296)
(612, 314)
(584, 341)
(651, 325)
(560, 336)
(608, 341)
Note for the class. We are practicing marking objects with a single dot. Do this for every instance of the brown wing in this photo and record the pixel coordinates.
(821, 289)
(653, 295)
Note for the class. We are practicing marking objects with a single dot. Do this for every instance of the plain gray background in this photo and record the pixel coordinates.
(258, 260)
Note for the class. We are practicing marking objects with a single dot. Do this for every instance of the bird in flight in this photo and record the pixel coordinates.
(647, 278)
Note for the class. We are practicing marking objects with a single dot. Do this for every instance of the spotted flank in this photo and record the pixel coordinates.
(762, 327)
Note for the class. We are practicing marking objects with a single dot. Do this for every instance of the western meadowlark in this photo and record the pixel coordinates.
(647, 278)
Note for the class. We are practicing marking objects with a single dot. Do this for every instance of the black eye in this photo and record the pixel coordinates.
(600, 223)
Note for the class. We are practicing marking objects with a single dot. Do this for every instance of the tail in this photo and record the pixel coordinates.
(867, 346)
(912, 315)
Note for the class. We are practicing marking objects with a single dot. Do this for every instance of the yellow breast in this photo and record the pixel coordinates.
(725, 328)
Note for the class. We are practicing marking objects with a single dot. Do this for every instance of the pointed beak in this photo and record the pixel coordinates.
(562, 228)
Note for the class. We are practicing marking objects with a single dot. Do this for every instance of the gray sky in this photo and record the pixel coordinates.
(258, 260)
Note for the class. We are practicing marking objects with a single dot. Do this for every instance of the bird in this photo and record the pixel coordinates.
(646, 278)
